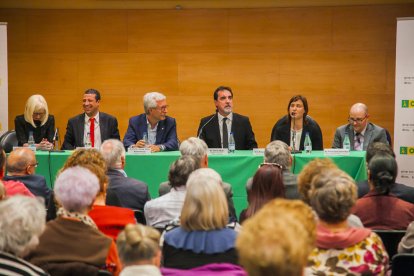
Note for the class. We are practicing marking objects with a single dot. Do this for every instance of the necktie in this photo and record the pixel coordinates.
(92, 131)
(225, 134)
(357, 142)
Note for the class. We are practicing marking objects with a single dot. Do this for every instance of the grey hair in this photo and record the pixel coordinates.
(22, 221)
(202, 176)
(181, 169)
(195, 147)
(151, 99)
(112, 150)
(76, 189)
(278, 152)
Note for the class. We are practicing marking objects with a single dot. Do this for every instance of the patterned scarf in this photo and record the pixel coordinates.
(82, 217)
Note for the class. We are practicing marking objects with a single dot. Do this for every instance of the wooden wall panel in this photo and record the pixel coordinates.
(334, 55)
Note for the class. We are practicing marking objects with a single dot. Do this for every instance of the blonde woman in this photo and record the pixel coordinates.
(36, 120)
(139, 250)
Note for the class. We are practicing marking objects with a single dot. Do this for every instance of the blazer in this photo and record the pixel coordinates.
(373, 133)
(166, 132)
(75, 129)
(401, 191)
(34, 182)
(23, 128)
(281, 131)
(243, 134)
(131, 193)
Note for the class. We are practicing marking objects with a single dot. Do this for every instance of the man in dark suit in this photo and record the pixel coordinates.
(92, 124)
(131, 193)
(215, 129)
(401, 191)
(359, 130)
(152, 129)
(21, 165)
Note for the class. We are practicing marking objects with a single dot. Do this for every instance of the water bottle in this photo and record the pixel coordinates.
(232, 143)
(347, 143)
(307, 144)
(31, 141)
(88, 143)
(145, 138)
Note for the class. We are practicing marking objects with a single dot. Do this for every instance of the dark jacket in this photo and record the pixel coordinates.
(23, 128)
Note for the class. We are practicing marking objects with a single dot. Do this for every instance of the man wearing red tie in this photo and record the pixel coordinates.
(92, 125)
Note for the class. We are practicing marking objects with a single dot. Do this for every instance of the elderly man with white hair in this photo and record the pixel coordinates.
(153, 129)
(22, 221)
(131, 193)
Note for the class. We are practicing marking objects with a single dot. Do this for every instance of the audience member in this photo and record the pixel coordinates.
(37, 121)
(267, 184)
(312, 169)
(292, 128)
(162, 210)
(198, 149)
(215, 129)
(277, 240)
(401, 191)
(97, 125)
(202, 237)
(340, 248)
(359, 130)
(374, 207)
(131, 193)
(21, 166)
(153, 129)
(22, 221)
(73, 236)
(406, 244)
(139, 250)
(109, 219)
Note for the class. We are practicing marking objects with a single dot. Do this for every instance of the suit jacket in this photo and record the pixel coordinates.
(108, 125)
(23, 128)
(132, 194)
(35, 183)
(240, 126)
(373, 133)
(166, 132)
(281, 131)
(401, 191)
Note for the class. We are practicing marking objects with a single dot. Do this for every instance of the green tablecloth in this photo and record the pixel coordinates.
(234, 168)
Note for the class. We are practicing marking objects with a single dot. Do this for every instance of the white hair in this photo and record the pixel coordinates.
(151, 99)
(112, 150)
(278, 152)
(194, 147)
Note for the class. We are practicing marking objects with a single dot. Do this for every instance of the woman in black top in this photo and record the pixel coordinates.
(35, 120)
(300, 122)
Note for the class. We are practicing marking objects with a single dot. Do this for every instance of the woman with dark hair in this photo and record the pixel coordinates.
(379, 209)
(292, 128)
(267, 184)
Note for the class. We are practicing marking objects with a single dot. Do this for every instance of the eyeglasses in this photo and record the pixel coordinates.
(38, 113)
(34, 165)
(356, 120)
(271, 164)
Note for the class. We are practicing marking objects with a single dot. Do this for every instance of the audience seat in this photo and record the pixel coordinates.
(140, 217)
(391, 239)
(8, 140)
(403, 265)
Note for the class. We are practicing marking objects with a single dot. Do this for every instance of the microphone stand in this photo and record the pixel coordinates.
(294, 135)
(202, 128)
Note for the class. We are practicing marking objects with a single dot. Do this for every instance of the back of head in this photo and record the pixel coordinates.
(76, 189)
(278, 152)
(22, 221)
(112, 150)
(138, 243)
(151, 99)
(194, 147)
(181, 169)
(19, 159)
(333, 195)
(205, 205)
(36, 103)
(278, 239)
(92, 160)
(267, 184)
(382, 171)
(312, 169)
(378, 148)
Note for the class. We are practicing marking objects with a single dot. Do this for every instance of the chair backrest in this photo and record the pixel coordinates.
(8, 140)
(139, 216)
(389, 140)
(391, 239)
(403, 265)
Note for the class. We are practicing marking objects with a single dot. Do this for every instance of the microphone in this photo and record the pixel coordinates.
(293, 114)
(55, 136)
(202, 128)
(54, 140)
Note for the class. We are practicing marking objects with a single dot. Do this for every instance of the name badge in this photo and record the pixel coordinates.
(139, 151)
(336, 152)
(218, 151)
(259, 152)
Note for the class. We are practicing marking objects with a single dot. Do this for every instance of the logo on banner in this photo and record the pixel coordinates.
(407, 150)
(407, 103)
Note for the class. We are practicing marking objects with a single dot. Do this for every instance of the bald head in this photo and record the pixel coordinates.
(358, 117)
(359, 107)
(21, 161)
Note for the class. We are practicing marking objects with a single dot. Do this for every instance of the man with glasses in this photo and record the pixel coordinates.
(152, 129)
(359, 130)
(21, 166)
